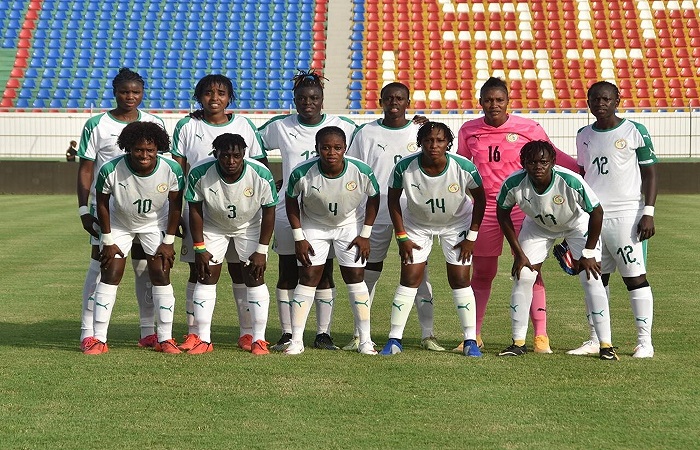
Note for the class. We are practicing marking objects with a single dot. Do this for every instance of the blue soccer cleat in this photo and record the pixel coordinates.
(563, 255)
(471, 349)
(392, 347)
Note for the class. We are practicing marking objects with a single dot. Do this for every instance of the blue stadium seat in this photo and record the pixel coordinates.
(39, 103)
(63, 83)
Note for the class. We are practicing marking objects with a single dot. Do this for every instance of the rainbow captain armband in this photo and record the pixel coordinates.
(401, 237)
(199, 247)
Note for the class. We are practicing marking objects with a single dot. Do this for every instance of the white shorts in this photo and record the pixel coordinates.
(537, 242)
(336, 240)
(243, 245)
(283, 242)
(448, 237)
(622, 249)
(186, 253)
(379, 242)
(149, 240)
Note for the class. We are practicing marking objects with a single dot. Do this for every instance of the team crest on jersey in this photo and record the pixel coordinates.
(558, 199)
(454, 187)
(184, 250)
(351, 186)
(511, 137)
(620, 144)
(248, 192)
(162, 187)
(412, 147)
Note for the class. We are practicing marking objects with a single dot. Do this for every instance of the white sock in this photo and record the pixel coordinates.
(105, 297)
(284, 308)
(164, 301)
(189, 308)
(245, 323)
(371, 279)
(259, 306)
(642, 302)
(466, 310)
(324, 299)
(144, 297)
(424, 306)
(204, 300)
(597, 302)
(358, 295)
(520, 302)
(400, 309)
(301, 306)
(92, 277)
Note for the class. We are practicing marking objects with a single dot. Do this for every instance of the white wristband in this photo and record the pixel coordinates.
(298, 234)
(169, 239)
(82, 210)
(648, 211)
(588, 253)
(366, 231)
(472, 235)
(262, 249)
(107, 239)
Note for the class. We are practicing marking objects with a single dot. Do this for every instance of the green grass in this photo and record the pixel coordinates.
(52, 396)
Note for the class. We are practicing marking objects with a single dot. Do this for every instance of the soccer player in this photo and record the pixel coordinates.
(617, 157)
(295, 137)
(324, 203)
(381, 144)
(138, 194)
(493, 143)
(557, 203)
(231, 199)
(437, 186)
(98, 144)
(192, 143)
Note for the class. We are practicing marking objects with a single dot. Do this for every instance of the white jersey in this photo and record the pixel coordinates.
(297, 142)
(139, 203)
(611, 160)
(193, 138)
(382, 147)
(231, 207)
(98, 141)
(437, 201)
(561, 207)
(332, 202)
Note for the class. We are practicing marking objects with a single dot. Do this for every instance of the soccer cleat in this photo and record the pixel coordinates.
(431, 343)
(259, 347)
(514, 350)
(471, 348)
(392, 347)
(97, 348)
(460, 347)
(587, 348)
(324, 341)
(353, 345)
(563, 255)
(201, 347)
(283, 343)
(190, 341)
(643, 351)
(149, 341)
(169, 346)
(87, 343)
(541, 344)
(367, 348)
(608, 354)
(245, 342)
(295, 348)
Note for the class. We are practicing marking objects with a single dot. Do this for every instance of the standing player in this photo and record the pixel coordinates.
(98, 144)
(617, 157)
(138, 194)
(231, 199)
(381, 144)
(295, 137)
(493, 143)
(330, 190)
(557, 203)
(192, 143)
(437, 186)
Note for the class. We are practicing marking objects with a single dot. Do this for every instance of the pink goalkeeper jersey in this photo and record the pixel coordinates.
(495, 151)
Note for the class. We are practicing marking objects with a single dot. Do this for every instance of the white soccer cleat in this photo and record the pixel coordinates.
(587, 348)
(367, 348)
(643, 351)
(295, 348)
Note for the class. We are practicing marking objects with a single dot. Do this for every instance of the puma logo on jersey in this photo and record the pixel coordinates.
(527, 200)
(317, 188)
(123, 185)
(417, 186)
(293, 135)
(383, 147)
(215, 192)
(199, 136)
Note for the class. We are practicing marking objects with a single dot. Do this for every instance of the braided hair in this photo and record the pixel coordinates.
(429, 126)
(532, 150)
(308, 79)
(212, 80)
(126, 75)
(228, 141)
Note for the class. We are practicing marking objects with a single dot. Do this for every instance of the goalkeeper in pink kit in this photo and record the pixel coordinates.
(493, 144)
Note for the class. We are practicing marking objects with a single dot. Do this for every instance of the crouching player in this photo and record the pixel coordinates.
(138, 194)
(330, 189)
(557, 204)
(231, 198)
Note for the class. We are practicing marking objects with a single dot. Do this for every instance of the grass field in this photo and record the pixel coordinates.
(52, 396)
